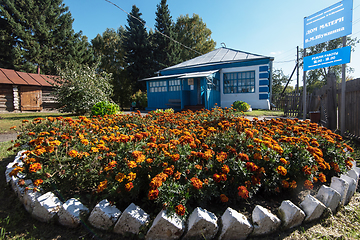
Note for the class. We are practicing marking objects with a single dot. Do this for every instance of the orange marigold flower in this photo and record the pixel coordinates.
(216, 178)
(224, 198)
(315, 180)
(180, 210)
(335, 166)
(285, 184)
(281, 170)
(84, 141)
(243, 157)
(223, 177)
(38, 182)
(35, 167)
(293, 184)
(308, 184)
(177, 175)
(197, 183)
(257, 156)
(169, 171)
(120, 177)
(306, 170)
(175, 157)
(251, 166)
(149, 160)
(15, 171)
(283, 161)
(225, 169)
(243, 192)
(348, 164)
(129, 186)
(73, 153)
(102, 186)
(153, 194)
(13, 127)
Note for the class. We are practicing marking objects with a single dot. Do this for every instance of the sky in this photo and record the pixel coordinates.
(270, 28)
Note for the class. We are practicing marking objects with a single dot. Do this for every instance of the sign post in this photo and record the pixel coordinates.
(330, 23)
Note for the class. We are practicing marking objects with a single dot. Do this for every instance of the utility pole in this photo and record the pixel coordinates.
(297, 72)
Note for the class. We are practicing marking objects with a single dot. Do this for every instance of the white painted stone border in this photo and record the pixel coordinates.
(47, 207)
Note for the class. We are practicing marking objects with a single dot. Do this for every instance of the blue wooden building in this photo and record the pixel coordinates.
(218, 77)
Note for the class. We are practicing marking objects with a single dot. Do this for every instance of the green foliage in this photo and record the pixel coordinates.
(279, 80)
(168, 110)
(80, 87)
(39, 33)
(241, 106)
(166, 52)
(108, 48)
(140, 98)
(104, 108)
(138, 52)
(193, 33)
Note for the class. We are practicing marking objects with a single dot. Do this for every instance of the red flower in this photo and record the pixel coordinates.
(243, 192)
(153, 194)
(217, 178)
(180, 210)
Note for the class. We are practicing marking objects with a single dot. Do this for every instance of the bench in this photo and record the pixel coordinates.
(174, 103)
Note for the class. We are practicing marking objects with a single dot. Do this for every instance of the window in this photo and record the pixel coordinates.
(174, 85)
(240, 82)
(158, 86)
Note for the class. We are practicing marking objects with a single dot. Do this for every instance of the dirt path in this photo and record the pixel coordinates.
(4, 137)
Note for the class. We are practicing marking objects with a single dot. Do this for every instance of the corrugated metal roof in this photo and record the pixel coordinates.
(14, 77)
(4, 79)
(220, 55)
(161, 77)
(9, 76)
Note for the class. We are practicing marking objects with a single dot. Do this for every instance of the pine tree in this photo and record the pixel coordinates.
(39, 33)
(138, 54)
(166, 51)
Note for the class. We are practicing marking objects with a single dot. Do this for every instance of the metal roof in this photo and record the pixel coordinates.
(9, 76)
(218, 56)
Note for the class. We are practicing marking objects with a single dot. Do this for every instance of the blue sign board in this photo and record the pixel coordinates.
(329, 23)
(327, 59)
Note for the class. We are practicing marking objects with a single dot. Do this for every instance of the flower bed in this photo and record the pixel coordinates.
(178, 161)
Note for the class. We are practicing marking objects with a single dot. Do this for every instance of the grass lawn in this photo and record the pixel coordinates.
(16, 223)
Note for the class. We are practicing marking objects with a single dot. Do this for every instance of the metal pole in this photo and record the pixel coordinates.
(343, 86)
(304, 89)
(297, 73)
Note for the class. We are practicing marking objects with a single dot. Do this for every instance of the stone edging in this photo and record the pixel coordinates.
(200, 224)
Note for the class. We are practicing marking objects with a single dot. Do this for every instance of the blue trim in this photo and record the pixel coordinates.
(264, 82)
(263, 68)
(263, 96)
(264, 89)
(264, 75)
(214, 67)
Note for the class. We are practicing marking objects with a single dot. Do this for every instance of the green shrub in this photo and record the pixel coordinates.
(241, 106)
(104, 108)
(140, 98)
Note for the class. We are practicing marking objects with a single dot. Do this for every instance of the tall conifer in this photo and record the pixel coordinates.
(166, 51)
(39, 33)
(138, 55)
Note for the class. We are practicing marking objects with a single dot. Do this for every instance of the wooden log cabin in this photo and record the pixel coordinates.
(20, 91)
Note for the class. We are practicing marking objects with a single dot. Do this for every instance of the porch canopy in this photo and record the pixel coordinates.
(181, 76)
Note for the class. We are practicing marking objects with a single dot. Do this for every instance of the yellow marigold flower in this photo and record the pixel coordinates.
(15, 171)
(180, 210)
(120, 177)
(84, 141)
(132, 164)
(102, 186)
(94, 149)
(131, 176)
(197, 183)
(283, 161)
(225, 169)
(73, 153)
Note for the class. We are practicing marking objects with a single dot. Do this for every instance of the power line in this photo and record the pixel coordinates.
(153, 29)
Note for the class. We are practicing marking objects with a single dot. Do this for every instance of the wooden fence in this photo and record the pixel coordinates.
(326, 101)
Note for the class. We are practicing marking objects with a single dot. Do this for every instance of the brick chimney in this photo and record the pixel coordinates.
(38, 69)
